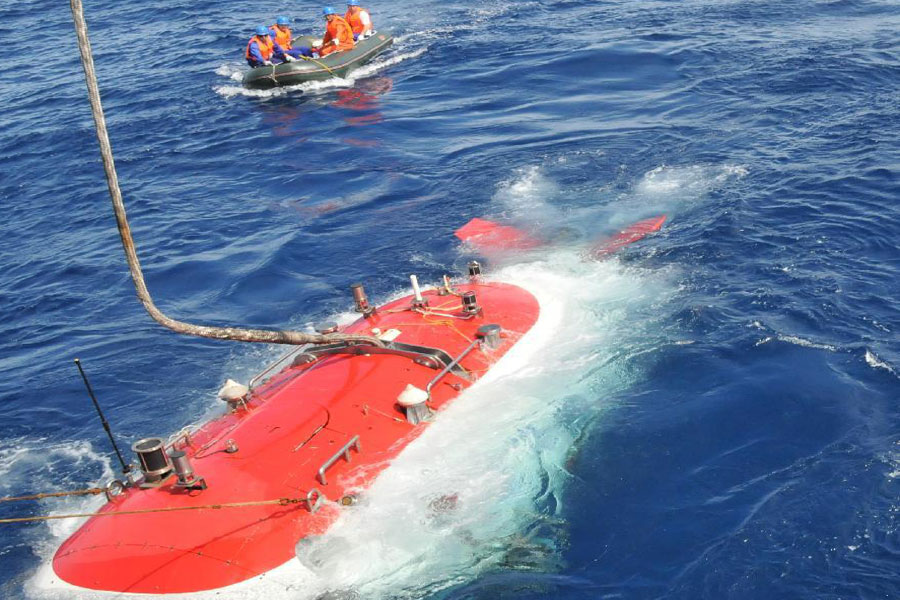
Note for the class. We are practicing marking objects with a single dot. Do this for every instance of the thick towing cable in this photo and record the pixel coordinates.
(223, 333)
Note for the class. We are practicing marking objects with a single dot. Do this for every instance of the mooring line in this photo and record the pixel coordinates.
(221, 333)
(111, 513)
(86, 492)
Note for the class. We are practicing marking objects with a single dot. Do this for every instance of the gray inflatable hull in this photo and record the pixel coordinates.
(338, 64)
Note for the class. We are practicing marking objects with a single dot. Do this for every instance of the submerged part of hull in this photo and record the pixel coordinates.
(337, 64)
(317, 428)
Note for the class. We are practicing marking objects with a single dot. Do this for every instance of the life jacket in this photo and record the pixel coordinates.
(282, 38)
(266, 47)
(337, 29)
(359, 20)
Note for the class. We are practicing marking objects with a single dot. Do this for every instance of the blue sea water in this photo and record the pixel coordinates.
(718, 416)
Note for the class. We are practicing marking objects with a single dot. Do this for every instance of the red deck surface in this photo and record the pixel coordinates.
(323, 404)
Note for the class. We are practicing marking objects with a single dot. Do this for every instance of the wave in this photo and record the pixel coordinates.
(30, 464)
(876, 363)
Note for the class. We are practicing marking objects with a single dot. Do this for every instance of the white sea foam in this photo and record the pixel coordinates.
(797, 341)
(532, 200)
(893, 459)
(527, 194)
(232, 71)
(876, 363)
(691, 181)
(29, 465)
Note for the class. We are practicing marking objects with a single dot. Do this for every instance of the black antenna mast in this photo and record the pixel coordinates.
(126, 468)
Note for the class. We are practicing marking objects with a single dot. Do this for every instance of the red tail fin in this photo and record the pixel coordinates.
(487, 235)
(629, 235)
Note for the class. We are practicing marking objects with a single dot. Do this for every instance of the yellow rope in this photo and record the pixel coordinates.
(446, 305)
(321, 64)
(445, 322)
(448, 323)
(280, 501)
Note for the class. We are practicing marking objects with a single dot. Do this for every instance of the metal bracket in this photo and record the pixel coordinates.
(313, 500)
(487, 335)
(114, 489)
(426, 356)
(345, 452)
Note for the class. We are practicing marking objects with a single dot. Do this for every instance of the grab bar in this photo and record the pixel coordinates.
(257, 379)
(345, 452)
(449, 367)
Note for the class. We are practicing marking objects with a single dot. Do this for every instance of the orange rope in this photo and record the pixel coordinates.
(447, 323)
(444, 322)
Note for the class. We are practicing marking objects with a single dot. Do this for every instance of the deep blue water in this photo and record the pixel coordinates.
(730, 428)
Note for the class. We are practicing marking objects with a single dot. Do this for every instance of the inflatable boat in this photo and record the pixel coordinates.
(336, 64)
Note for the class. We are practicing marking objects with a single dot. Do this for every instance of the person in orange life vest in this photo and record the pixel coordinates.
(338, 34)
(281, 35)
(262, 49)
(359, 19)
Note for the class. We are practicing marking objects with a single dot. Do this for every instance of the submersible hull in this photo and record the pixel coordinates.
(314, 431)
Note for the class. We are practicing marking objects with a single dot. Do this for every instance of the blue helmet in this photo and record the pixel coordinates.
(329, 10)
(262, 30)
(282, 20)
(352, 3)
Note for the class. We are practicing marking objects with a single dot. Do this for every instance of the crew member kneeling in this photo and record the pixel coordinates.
(359, 19)
(281, 35)
(262, 49)
(338, 35)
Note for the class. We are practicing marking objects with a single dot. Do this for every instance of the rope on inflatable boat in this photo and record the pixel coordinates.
(109, 167)
(279, 501)
(321, 64)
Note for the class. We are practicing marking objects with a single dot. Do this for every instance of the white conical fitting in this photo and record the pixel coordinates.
(233, 391)
(412, 396)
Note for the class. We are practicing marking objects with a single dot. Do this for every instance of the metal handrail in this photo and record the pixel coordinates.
(449, 367)
(271, 366)
(345, 452)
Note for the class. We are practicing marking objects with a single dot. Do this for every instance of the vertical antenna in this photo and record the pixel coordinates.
(125, 467)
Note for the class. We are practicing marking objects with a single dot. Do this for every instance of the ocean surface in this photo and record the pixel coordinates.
(718, 412)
